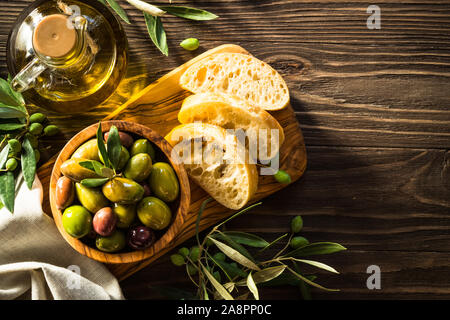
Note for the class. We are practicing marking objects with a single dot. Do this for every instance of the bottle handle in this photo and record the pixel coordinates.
(26, 78)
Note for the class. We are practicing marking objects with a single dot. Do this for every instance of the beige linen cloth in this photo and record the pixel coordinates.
(37, 263)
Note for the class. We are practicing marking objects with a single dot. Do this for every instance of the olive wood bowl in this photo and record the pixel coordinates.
(178, 214)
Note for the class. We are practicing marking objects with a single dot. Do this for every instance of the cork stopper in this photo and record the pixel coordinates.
(53, 37)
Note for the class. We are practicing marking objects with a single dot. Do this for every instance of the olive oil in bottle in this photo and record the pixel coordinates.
(67, 56)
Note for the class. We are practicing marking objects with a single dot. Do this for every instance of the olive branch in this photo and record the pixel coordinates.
(233, 272)
(153, 14)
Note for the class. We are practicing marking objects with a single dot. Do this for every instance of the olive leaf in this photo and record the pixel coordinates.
(8, 96)
(28, 160)
(252, 286)
(95, 166)
(221, 236)
(265, 275)
(11, 126)
(94, 183)
(311, 283)
(274, 242)
(228, 269)
(118, 9)
(4, 156)
(7, 190)
(107, 173)
(102, 147)
(317, 264)
(316, 248)
(114, 147)
(189, 13)
(157, 33)
(220, 289)
(235, 255)
(10, 112)
(246, 239)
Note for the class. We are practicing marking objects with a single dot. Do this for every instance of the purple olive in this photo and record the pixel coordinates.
(140, 237)
(147, 191)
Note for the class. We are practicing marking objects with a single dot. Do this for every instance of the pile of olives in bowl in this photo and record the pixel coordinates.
(118, 192)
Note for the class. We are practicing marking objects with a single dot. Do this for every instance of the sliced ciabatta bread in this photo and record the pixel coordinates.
(264, 133)
(211, 159)
(239, 74)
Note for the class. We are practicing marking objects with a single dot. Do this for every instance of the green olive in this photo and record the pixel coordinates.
(15, 146)
(184, 252)
(90, 198)
(126, 213)
(77, 221)
(123, 159)
(51, 130)
(71, 168)
(143, 146)
(37, 117)
(194, 254)
(11, 164)
(123, 191)
(88, 150)
(298, 242)
(296, 224)
(113, 243)
(154, 213)
(190, 44)
(33, 139)
(282, 177)
(177, 259)
(36, 128)
(164, 182)
(138, 167)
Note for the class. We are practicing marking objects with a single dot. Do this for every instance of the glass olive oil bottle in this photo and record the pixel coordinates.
(67, 55)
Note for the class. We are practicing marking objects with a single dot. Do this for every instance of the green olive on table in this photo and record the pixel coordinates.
(88, 150)
(298, 242)
(154, 213)
(123, 191)
(138, 167)
(77, 221)
(126, 213)
(164, 182)
(90, 198)
(113, 243)
(71, 168)
(143, 146)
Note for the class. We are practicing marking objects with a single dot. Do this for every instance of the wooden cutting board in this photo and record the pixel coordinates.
(157, 107)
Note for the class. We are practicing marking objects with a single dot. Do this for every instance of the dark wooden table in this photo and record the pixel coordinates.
(374, 107)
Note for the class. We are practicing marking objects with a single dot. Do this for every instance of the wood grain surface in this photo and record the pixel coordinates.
(373, 106)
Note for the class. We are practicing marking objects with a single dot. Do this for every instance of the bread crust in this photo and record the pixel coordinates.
(231, 112)
(241, 75)
(231, 184)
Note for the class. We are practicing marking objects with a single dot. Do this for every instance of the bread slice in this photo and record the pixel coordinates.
(227, 178)
(239, 74)
(231, 112)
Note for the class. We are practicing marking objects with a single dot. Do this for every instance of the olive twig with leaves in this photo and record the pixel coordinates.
(20, 133)
(233, 266)
(152, 16)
